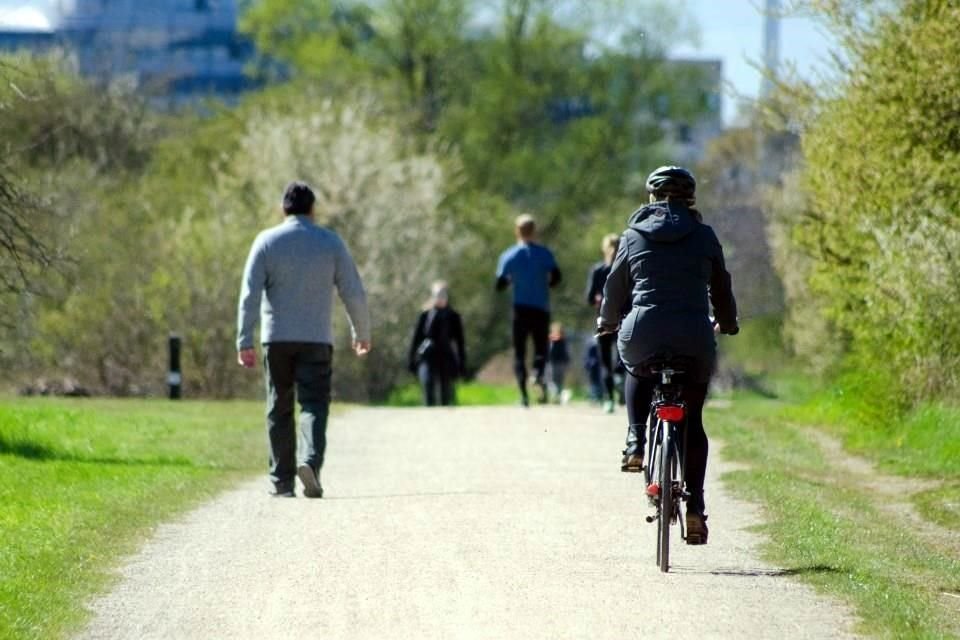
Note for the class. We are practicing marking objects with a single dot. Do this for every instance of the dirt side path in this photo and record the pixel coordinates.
(467, 523)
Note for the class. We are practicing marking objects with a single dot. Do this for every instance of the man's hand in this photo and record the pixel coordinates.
(247, 358)
(361, 347)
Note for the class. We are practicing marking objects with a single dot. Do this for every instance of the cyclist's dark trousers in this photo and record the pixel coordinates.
(432, 380)
(639, 392)
(298, 370)
(607, 345)
(530, 322)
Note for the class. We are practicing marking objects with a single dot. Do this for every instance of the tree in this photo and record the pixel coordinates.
(542, 113)
(22, 250)
(882, 173)
(66, 148)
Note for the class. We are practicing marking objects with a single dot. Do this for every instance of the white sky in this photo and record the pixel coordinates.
(731, 30)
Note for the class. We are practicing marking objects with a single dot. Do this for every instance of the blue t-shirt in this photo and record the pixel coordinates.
(528, 267)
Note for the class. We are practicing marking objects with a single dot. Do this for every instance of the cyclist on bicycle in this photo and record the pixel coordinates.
(668, 270)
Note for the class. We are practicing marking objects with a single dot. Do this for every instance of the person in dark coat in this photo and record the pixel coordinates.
(437, 352)
(607, 342)
(669, 269)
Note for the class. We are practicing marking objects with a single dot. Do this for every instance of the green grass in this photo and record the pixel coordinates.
(468, 394)
(82, 481)
(830, 532)
(941, 505)
(921, 442)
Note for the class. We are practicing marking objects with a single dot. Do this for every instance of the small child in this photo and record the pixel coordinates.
(558, 357)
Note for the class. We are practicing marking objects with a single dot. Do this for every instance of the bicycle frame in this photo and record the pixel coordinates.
(666, 453)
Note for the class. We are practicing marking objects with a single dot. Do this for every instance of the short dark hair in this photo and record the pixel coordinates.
(298, 199)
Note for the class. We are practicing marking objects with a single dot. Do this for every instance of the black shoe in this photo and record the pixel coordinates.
(632, 463)
(525, 401)
(283, 490)
(696, 528)
(311, 486)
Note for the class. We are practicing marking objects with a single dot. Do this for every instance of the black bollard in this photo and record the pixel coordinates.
(174, 377)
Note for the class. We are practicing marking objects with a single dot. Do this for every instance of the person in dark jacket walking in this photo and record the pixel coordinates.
(669, 269)
(532, 271)
(607, 342)
(437, 352)
(288, 284)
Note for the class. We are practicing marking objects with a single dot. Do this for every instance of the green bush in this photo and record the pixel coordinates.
(882, 177)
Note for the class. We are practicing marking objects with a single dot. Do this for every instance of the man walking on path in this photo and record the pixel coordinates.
(532, 270)
(288, 282)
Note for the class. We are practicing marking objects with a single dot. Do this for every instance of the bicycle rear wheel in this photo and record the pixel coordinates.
(666, 496)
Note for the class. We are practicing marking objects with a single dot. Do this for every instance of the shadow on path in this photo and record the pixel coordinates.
(748, 572)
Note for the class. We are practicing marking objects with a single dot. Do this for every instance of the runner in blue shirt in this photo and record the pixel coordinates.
(532, 270)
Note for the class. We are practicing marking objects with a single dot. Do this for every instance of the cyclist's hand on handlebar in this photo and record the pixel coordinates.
(604, 330)
(730, 332)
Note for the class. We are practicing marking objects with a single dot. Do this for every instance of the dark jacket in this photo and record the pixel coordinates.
(670, 269)
(595, 281)
(444, 328)
(558, 353)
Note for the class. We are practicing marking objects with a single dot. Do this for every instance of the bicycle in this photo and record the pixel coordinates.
(663, 472)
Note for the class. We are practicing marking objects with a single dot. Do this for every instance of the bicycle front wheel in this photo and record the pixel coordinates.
(666, 496)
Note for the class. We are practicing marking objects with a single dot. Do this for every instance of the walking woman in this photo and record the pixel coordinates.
(607, 342)
(437, 352)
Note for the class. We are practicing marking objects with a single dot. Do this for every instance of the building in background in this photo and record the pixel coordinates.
(175, 50)
(31, 39)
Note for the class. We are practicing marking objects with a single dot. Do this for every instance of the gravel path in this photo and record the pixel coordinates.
(466, 523)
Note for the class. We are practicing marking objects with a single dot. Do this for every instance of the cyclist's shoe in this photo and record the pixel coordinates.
(283, 490)
(525, 401)
(631, 463)
(608, 406)
(696, 528)
(311, 486)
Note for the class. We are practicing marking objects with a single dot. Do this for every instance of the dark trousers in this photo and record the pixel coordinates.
(301, 371)
(529, 322)
(639, 392)
(607, 346)
(432, 379)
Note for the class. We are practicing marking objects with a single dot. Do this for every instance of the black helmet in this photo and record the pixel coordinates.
(674, 182)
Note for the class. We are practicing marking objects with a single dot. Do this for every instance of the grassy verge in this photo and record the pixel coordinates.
(81, 481)
(468, 394)
(941, 505)
(830, 531)
(921, 442)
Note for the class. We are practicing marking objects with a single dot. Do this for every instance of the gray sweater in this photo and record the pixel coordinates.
(289, 279)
